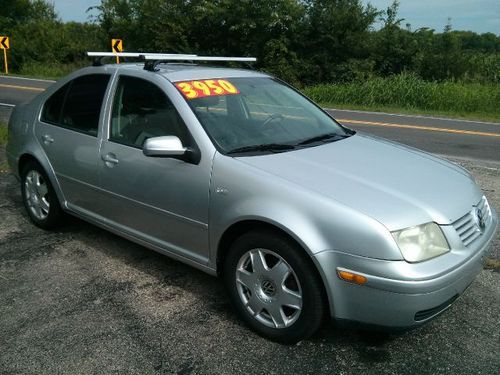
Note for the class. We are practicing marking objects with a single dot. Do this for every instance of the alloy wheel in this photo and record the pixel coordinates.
(36, 192)
(269, 288)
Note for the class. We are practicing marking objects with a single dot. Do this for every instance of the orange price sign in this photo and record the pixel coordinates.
(206, 87)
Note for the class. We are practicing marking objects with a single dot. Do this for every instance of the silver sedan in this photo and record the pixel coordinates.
(241, 176)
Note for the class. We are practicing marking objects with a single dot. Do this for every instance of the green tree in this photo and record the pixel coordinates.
(39, 38)
(441, 56)
(260, 28)
(393, 47)
(337, 32)
(301, 41)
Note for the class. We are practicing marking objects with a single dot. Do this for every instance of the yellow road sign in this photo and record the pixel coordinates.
(4, 42)
(117, 45)
(5, 45)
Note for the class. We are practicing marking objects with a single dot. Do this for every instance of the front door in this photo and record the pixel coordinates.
(161, 200)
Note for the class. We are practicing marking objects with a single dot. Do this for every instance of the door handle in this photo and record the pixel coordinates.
(47, 139)
(110, 159)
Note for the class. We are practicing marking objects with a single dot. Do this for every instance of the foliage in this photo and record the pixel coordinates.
(302, 41)
(3, 134)
(38, 37)
(336, 38)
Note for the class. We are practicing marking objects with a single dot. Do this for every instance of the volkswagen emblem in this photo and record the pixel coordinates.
(480, 219)
(268, 288)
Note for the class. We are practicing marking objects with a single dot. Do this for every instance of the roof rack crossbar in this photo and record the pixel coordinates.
(136, 54)
(140, 55)
(167, 57)
(153, 59)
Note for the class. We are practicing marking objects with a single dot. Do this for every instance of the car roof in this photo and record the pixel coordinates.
(184, 72)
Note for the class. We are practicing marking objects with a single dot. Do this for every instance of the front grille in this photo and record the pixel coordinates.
(425, 314)
(467, 226)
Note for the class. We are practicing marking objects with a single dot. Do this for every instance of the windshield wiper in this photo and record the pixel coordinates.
(264, 147)
(323, 137)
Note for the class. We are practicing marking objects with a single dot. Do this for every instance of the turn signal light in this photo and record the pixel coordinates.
(352, 277)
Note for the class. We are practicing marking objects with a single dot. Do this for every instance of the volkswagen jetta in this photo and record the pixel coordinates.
(238, 174)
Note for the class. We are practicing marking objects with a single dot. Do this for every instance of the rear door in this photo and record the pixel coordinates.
(68, 132)
(161, 200)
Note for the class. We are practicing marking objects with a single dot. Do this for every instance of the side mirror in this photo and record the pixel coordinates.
(167, 146)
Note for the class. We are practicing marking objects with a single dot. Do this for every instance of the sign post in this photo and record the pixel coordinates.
(116, 47)
(5, 45)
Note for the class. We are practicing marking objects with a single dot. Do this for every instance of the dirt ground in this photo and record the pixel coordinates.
(82, 300)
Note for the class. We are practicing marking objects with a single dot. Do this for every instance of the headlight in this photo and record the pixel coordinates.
(422, 242)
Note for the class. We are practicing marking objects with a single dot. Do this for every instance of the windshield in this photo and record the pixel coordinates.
(258, 115)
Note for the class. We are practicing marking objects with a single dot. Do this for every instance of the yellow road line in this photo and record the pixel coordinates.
(416, 127)
(22, 87)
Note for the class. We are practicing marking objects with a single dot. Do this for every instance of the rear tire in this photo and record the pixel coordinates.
(39, 197)
(274, 286)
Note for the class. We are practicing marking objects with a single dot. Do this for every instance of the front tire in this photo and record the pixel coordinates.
(274, 286)
(39, 197)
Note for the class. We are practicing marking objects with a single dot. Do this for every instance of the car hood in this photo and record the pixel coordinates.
(392, 183)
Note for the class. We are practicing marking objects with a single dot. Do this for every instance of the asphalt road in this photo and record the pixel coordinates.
(82, 300)
(15, 91)
(447, 137)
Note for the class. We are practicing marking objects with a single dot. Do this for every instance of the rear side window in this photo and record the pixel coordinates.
(53, 106)
(77, 105)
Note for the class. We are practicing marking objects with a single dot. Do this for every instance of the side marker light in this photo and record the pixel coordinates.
(352, 277)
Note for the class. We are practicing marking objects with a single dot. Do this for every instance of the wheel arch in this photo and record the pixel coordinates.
(239, 228)
(27, 157)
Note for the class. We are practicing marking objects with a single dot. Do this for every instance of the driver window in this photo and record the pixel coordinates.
(141, 110)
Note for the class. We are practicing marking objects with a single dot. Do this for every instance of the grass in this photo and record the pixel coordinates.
(3, 134)
(3, 141)
(48, 71)
(475, 116)
(492, 264)
(407, 93)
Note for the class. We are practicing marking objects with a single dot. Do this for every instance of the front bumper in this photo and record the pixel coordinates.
(394, 296)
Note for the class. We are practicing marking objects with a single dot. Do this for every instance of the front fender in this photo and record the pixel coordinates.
(241, 192)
